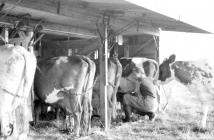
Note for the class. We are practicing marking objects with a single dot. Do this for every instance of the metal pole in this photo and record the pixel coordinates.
(103, 64)
(106, 23)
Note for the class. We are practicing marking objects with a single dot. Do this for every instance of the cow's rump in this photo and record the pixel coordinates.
(17, 68)
(114, 75)
(67, 82)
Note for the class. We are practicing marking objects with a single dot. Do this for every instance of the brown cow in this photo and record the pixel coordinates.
(17, 69)
(67, 82)
(197, 76)
(114, 76)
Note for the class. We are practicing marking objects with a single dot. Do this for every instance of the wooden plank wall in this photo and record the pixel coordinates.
(61, 48)
(141, 46)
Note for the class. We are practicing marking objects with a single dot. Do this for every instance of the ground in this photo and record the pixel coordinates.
(180, 120)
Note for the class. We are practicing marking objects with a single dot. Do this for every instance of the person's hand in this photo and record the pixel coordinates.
(156, 82)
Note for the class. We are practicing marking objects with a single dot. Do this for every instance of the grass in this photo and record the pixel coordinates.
(181, 121)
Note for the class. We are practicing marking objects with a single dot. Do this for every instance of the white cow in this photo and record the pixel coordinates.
(195, 75)
(17, 69)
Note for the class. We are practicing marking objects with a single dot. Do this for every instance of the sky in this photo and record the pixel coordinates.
(187, 46)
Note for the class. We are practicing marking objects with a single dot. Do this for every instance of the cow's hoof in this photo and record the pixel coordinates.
(126, 120)
(23, 136)
(152, 116)
(84, 134)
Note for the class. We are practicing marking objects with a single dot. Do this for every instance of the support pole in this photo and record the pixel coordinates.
(30, 49)
(103, 60)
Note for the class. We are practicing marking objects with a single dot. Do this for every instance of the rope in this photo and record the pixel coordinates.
(83, 93)
(113, 86)
(164, 108)
(10, 93)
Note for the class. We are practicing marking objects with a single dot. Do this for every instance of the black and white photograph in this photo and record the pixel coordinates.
(106, 70)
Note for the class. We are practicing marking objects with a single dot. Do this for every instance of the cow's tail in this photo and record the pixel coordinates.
(116, 85)
(88, 88)
(29, 76)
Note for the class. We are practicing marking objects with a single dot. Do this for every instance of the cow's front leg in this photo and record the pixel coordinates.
(205, 109)
(90, 114)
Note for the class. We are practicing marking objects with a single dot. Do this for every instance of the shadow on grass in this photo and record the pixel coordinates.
(200, 130)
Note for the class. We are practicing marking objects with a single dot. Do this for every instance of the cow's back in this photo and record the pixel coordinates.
(189, 71)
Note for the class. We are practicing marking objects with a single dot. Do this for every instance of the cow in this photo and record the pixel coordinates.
(138, 90)
(195, 75)
(114, 76)
(17, 69)
(66, 82)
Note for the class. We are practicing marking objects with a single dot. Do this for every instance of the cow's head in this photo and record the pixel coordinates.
(165, 68)
(127, 65)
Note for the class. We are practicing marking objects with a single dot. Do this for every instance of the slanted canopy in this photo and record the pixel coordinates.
(79, 17)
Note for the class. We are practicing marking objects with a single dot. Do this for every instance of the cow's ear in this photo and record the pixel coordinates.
(172, 58)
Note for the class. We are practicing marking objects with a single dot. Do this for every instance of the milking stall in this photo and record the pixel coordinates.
(88, 37)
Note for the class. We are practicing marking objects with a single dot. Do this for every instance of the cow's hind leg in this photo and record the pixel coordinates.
(85, 117)
(77, 121)
(90, 114)
(36, 112)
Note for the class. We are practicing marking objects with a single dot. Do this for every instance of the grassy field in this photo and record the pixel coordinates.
(180, 120)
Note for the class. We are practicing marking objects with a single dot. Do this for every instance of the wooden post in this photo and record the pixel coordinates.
(103, 61)
(126, 50)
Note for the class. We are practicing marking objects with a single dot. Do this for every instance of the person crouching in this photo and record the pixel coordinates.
(143, 102)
